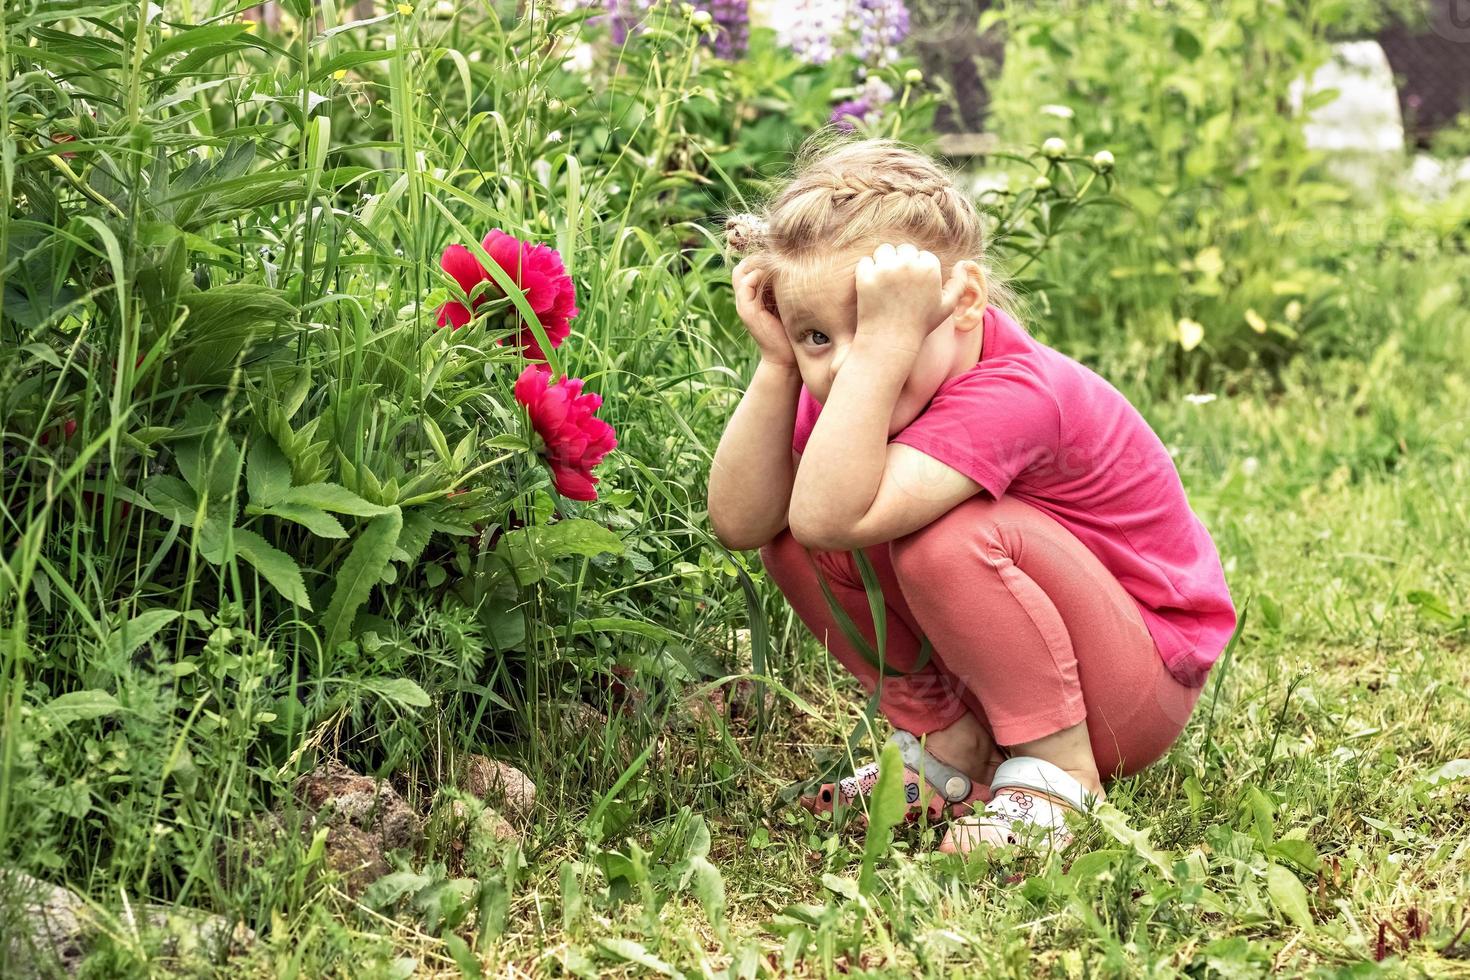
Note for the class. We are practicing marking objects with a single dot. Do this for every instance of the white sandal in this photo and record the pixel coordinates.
(1030, 799)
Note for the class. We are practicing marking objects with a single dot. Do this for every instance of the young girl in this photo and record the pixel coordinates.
(1020, 514)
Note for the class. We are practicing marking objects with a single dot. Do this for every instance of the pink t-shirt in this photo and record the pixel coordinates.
(1029, 421)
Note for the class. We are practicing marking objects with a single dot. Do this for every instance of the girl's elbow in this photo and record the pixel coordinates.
(817, 534)
(737, 538)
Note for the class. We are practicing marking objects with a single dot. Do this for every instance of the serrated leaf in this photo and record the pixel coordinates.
(414, 538)
(530, 550)
(315, 520)
(1450, 771)
(210, 466)
(333, 497)
(709, 889)
(273, 564)
(267, 472)
(362, 569)
(173, 498)
(123, 641)
(1288, 895)
(1111, 819)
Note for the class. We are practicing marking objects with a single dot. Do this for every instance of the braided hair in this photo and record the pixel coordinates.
(849, 192)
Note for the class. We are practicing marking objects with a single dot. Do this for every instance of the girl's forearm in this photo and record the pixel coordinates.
(750, 479)
(842, 467)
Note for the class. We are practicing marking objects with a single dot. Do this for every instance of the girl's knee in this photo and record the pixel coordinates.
(782, 552)
(966, 530)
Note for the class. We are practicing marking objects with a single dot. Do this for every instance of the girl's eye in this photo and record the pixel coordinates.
(817, 337)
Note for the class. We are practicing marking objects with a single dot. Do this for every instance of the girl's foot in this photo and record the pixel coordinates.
(932, 787)
(1030, 799)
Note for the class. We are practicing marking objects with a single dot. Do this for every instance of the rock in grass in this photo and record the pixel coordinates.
(463, 830)
(365, 817)
(494, 781)
(46, 928)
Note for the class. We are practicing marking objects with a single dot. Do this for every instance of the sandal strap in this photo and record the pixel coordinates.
(952, 784)
(1029, 772)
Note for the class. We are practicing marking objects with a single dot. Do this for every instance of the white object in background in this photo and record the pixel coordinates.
(1365, 116)
(809, 27)
(1434, 178)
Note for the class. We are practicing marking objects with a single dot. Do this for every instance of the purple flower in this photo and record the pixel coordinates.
(622, 18)
(820, 30)
(879, 25)
(732, 25)
(810, 28)
(866, 107)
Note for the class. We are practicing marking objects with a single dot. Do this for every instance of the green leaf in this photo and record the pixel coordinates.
(79, 706)
(267, 472)
(138, 631)
(709, 888)
(173, 498)
(885, 811)
(399, 690)
(1111, 819)
(209, 465)
(1186, 44)
(332, 497)
(1262, 812)
(463, 956)
(632, 951)
(1094, 863)
(317, 521)
(1297, 851)
(1270, 610)
(1450, 771)
(273, 564)
(530, 550)
(414, 538)
(363, 567)
(1288, 895)
(1431, 606)
(618, 624)
(351, 59)
(193, 38)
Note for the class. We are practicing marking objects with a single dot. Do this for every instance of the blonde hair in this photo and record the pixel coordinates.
(848, 192)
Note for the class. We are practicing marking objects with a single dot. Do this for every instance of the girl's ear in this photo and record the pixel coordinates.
(969, 310)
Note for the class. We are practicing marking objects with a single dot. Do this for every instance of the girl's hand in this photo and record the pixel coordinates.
(757, 311)
(900, 296)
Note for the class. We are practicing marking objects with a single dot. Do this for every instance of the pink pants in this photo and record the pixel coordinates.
(1028, 630)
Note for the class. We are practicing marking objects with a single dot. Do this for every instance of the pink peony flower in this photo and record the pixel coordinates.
(575, 439)
(536, 269)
